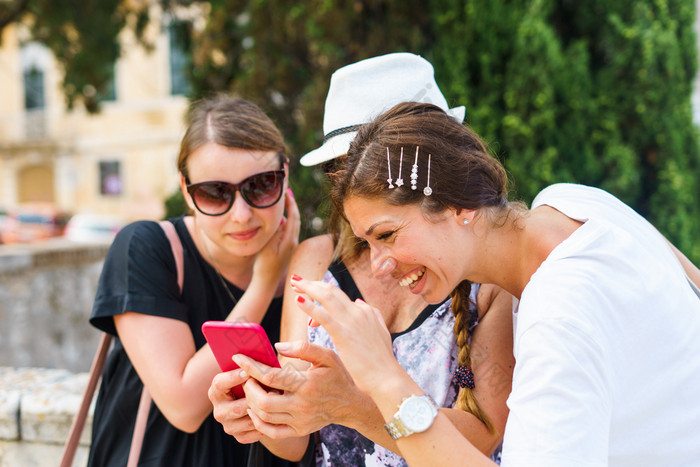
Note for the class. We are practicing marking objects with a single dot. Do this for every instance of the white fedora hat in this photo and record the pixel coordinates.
(361, 91)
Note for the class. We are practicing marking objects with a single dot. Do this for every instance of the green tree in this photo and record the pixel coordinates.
(591, 92)
(594, 92)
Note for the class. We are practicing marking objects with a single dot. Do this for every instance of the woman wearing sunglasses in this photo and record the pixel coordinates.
(236, 249)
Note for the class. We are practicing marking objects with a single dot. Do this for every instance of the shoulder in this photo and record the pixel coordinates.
(138, 239)
(312, 257)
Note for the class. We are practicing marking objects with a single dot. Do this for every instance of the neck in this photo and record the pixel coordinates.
(236, 269)
(512, 253)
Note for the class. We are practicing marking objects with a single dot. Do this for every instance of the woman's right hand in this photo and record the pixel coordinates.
(357, 329)
(272, 261)
(232, 413)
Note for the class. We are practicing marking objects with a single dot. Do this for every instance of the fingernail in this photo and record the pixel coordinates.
(311, 320)
(295, 277)
(289, 190)
(300, 299)
(386, 266)
(283, 346)
(282, 220)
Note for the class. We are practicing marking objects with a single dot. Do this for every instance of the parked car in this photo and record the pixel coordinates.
(87, 227)
(3, 219)
(33, 222)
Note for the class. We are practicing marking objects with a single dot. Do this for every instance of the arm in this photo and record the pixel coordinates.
(342, 402)
(369, 358)
(690, 269)
(312, 258)
(179, 377)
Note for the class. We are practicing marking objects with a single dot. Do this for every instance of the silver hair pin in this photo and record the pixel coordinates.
(427, 191)
(388, 163)
(399, 181)
(414, 172)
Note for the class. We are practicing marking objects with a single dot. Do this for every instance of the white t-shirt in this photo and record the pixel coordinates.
(607, 346)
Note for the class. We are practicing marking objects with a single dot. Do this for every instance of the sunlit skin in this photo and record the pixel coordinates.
(405, 245)
(249, 247)
(236, 236)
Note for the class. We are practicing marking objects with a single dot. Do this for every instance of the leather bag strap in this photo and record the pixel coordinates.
(98, 364)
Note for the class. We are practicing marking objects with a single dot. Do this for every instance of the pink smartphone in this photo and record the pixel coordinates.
(227, 339)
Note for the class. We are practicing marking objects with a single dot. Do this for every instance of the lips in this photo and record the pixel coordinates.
(245, 234)
(411, 279)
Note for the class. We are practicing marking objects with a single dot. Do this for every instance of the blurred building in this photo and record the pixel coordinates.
(120, 161)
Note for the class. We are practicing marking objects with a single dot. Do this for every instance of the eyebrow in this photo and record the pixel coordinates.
(374, 226)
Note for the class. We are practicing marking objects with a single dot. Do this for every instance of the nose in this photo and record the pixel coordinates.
(382, 263)
(240, 211)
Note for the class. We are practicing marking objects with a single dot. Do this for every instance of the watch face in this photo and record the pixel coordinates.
(417, 414)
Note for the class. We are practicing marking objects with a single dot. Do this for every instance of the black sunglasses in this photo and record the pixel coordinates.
(216, 198)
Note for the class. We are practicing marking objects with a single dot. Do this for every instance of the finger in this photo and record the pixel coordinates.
(269, 406)
(271, 430)
(304, 350)
(221, 384)
(281, 379)
(317, 314)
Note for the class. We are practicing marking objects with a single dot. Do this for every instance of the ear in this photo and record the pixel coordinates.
(460, 215)
(185, 194)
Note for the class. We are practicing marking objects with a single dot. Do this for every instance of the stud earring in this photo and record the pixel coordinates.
(465, 221)
(388, 164)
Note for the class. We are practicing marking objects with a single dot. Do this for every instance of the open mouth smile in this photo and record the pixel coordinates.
(411, 279)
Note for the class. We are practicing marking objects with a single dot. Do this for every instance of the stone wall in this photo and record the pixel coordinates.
(46, 293)
(46, 348)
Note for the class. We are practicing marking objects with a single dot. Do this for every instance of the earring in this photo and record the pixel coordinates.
(427, 191)
(465, 221)
(414, 172)
(388, 163)
(399, 181)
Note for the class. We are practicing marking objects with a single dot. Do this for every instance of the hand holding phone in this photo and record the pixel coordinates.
(227, 339)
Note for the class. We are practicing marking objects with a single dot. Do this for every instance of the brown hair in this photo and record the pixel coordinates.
(230, 122)
(463, 175)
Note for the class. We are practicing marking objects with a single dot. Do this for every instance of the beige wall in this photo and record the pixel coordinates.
(141, 130)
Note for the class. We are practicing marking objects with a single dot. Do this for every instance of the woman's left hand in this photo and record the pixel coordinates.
(229, 411)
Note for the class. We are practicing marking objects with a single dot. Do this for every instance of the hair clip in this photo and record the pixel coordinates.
(414, 172)
(399, 181)
(464, 377)
(388, 163)
(427, 191)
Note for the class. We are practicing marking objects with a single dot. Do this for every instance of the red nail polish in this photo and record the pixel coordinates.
(311, 320)
(300, 299)
(295, 277)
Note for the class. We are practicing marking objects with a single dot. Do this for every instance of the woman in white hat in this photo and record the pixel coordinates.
(319, 396)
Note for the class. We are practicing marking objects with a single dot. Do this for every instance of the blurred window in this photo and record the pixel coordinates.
(110, 178)
(34, 89)
(179, 39)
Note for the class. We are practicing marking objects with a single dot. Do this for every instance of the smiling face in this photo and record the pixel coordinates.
(417, 252)
(243, 230)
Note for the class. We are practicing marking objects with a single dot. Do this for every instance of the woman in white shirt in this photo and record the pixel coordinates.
(606, 328)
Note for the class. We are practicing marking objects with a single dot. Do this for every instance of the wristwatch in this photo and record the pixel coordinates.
(415, 415)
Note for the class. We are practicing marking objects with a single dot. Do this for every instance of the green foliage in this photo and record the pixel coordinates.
(593, 92)
(175, 205)
(281, 54)
(82, 34)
